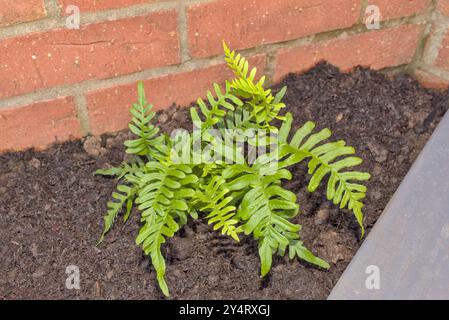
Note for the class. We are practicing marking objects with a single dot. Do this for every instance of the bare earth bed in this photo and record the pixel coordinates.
(51, 206)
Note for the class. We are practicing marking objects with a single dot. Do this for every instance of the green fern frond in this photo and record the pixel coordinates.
(265, 210)
(216, 108)
(165, 185)
(265, 107)
(297, 249)
(113, 172)
(152, 236)
(329, 158)
(162, 195)
(148, 143)
(238, 119)
(124, 194)
(133, 167)
(213, 198)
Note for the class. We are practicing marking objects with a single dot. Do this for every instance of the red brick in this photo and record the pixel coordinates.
(89, 5)
(431, 81)
(400, 8)
(376, 49)
(13, 12)
(96, 51)
(443, 7)
(109, 108)
(442, 60)
(245, 24)
(38, 125)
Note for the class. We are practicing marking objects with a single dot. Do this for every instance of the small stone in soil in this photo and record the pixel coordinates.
(92, 146)
(177, 273)
(97, 251)
(375, 195)
(322, 216)
(110, 143)
(333, 251)
(377, 170)
(35, 163)
(238, 262)
(178, 116)
(380, 153)
(38, 273)
(339, 117)
(163, 118)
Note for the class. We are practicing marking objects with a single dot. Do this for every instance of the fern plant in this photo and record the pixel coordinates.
(235, 192)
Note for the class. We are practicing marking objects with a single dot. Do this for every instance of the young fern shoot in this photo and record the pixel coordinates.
(243, 196)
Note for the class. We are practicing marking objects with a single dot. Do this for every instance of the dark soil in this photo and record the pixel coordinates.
(51, 206)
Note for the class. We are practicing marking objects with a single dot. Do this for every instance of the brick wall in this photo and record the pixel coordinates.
(433, 66)
(58, 83)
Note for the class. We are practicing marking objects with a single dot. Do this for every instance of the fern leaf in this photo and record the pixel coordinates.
(331, 159)
(214, 200)
(296, 248)
(148, 142)
(123, 194)
(135, 166)
(215, 108)
(151, 236)
(163, 192)
(265, 107)
(265, 209)
(114, 171)
(160, 186)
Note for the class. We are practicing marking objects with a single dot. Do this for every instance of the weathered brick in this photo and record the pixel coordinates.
(96, 51)
(89, 5)
(375, 49)
(38, 125)
(13, 12)
(245, 24)
(443, 7)
(109, 108)
(431, 81)
(400, 8)
(442, 60)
